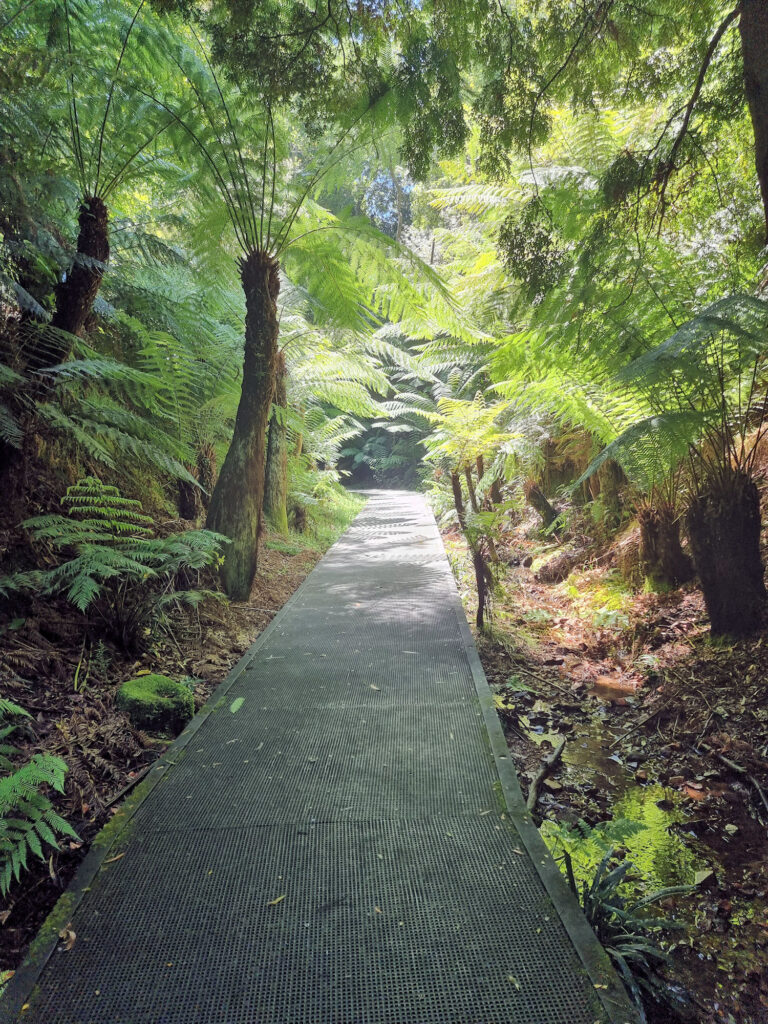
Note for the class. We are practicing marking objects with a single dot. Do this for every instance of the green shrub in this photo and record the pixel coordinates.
(156, 702)
(27, 818)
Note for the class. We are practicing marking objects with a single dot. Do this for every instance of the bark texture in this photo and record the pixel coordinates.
(723, 524)
(483, 578)
(661, 552)
(494, 492)
(753, 27)
(612, 479)
(190, 499)
(276, 481)
(538, 501)
(206, 471)
(476, 508)
(76, 294)
(236, 502)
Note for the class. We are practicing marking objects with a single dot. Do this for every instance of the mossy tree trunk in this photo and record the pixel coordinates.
(753, 28)
(723, 522)
(76, 294)
(612, 479)
(661, 552)
(236, 504)
(276, 481)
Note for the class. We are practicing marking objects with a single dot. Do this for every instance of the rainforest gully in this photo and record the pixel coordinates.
(263, 261)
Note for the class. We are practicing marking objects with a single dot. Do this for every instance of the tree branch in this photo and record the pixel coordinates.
(689, 108)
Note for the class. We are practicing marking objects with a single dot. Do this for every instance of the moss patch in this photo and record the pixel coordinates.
(156, 702)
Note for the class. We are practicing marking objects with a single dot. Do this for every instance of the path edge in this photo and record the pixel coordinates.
(608, 987)
(21, 987)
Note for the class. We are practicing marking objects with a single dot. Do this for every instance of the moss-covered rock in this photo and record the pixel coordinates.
(156, 702)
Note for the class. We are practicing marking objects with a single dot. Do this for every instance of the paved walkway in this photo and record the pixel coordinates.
(340, 841)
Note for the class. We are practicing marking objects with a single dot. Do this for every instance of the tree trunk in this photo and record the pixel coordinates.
(76, 294)
(612, 479)
(537, 500)
(476, 509)
(236, 503)
(753, 27)
(206, 471)
(458, 501)
(276, 481)
(723, 523)
(661, 553)
(190, 504)
(482, 572)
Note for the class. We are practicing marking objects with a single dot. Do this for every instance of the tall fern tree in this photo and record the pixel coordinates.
(268, 198)
(106, 135)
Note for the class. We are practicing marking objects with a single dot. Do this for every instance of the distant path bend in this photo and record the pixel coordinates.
(340, 840)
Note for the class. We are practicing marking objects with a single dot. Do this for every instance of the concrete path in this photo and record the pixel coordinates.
(338, 839)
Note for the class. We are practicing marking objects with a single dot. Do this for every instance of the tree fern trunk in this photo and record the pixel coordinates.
(190, 500)
(663, 558)
(476, 508)
(538, 501)
(612, 479)
(723, 523)
(76, 294)
(753, 26)
(478, 562)
(206, 471)
(276, 480)
(236, 503)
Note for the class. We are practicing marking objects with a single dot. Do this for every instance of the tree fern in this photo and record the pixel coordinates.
(116, 570)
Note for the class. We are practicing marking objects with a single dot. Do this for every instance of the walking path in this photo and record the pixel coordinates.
(340, 840)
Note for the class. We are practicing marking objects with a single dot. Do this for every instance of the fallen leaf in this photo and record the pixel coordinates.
(113, 859)
(511, 978)
(236, 704)
(375, 687)
(143, 672)
(276, 900)
(378, 910)
(4, 916)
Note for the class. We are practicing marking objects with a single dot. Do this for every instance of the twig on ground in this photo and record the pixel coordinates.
(739, 771)
(546, 767)
(638, 725)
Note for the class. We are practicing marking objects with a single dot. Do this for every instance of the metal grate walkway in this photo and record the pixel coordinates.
(339, 840)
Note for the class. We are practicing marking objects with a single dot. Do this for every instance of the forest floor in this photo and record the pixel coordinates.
(68, 687)
(665, 757)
